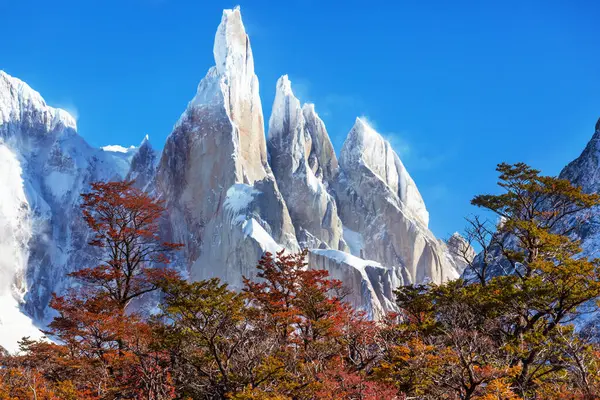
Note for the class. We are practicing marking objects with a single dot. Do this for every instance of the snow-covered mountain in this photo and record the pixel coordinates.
(45, 165)
(584, 171)
(231, 192)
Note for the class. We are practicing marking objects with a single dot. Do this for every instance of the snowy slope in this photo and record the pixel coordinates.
(15, 233)
(584, 171)
(45, 165)
(231, 195)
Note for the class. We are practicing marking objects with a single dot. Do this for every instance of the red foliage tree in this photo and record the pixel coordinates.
(324, 343)
(337, 381)
(303, 304)
(111, 350)
(125, 225)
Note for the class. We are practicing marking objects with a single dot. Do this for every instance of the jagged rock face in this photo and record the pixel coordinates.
(44, 166)
(365, 149)
(143, 165)
(371, 284)
(322, 159)
(584, 171)
(379, 203)
(460, 251)
(303, 162)
(218, 145)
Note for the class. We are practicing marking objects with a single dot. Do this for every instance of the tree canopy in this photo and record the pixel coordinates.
(505, 333)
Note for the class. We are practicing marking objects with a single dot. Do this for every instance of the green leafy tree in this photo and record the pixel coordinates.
(512, 329)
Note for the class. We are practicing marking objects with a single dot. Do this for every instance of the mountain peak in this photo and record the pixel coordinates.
(360, 139)
(363, 128)
(18, 98)
(145, 142)
(286, 116)
(309, 108)
(284, 86)
(232, 45)
(365, 147)
(583, 171)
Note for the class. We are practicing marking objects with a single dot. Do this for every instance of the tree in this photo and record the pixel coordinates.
(125, 225)
(550, 283)
(215, 347)
(106, 350)
(337, 381)
(507, 330)
(322, 340)
(304, 304)
(287, 336)
(443, 348)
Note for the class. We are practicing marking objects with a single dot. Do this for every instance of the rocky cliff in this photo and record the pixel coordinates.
(231, 192)
(584, 171)
(45, 166)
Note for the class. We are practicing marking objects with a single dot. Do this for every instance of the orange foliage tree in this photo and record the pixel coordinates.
(106, 350)
(290, 334)
(125, 224)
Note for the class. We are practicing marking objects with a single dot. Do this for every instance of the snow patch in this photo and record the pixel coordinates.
(15, 233)
(254, 230)
(115, 148)
(59, 183)
(341, 257)
(313, 183)
(355, 241)
(14, 325)
(239, 197)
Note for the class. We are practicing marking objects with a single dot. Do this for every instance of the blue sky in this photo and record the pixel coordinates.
(456, 86)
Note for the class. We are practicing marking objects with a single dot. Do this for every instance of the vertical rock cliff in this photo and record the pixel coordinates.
(231, 194)
(304, 164)
(383, 211)
(223, 201)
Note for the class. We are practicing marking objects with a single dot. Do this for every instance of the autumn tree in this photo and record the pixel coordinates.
(106, 350)
(287, 335)
(440, 348)
(509, 330)
(215, 347)
(549, 284)
(322, 339)
(124, 221)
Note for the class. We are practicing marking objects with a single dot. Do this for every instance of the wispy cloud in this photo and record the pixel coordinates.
(404, 149)
(69, 107)
(301, 88)
(333, 103)
(410, 154)
(416, 159)
(328, 105)
(342, 100)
